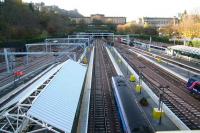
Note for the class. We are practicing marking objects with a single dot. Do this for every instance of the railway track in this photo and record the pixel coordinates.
(26, 69)
(4, 101)
(37, 66)
(185, 106)
(33, 66)
(103, 115)
(168, 60)
(38, 62)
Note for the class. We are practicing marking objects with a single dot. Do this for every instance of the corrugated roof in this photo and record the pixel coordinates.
(57, 104)
(186, 49)
(32, 87)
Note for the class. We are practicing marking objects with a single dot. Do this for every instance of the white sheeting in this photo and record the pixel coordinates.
(56, 105)
(187, 49)
(32, 87)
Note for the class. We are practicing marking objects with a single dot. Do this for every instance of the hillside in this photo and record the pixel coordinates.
(22, 22)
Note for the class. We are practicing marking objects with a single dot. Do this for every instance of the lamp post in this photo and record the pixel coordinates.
(140, 75)
(174, 38)
(55, 55)
(189, 74)
(127, 67)
(161, 97)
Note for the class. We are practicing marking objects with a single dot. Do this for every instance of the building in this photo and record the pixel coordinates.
(157, 21)
(18, 1)
(101, 18)
(41, 7)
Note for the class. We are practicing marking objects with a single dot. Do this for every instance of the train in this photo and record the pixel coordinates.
(132, 117)
(193, 84)
(125, 41)
(158, 47)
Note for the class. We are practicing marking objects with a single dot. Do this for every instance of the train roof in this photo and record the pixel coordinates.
(134, 115)
(196, 77)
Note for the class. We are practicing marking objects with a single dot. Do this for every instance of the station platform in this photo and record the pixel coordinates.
(178, 71)
(179, 131)
(168, 123)
(174, 58)
(84, 109)
(189, 63)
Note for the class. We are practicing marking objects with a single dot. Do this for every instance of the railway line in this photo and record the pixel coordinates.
(15, 93)
(26, 69)
(103, 115)
(168, 60)
(184, 105)
(36, 63)
(31, 70)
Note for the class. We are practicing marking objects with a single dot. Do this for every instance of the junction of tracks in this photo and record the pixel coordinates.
(60, 93)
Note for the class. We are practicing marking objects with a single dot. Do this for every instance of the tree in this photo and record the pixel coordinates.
(149, 30)
(169, 30)
(133, 28)
(189, 27)
(20, 21)
(97, 22)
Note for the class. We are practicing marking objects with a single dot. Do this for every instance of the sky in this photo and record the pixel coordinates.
(132, 9)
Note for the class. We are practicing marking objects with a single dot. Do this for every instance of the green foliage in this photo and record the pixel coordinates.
(132, 28)
(22, 23)
(194, 43)
(162, 39)
(149, 30)
(97, 22)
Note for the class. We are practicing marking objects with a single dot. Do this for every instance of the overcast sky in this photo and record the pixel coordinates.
(132, 9)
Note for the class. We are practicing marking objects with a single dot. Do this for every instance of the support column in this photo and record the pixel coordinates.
(27, 50)
(74, 56)
(6, 60)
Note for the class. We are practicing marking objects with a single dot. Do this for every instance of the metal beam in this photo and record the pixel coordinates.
(36, 53)
(6, 59)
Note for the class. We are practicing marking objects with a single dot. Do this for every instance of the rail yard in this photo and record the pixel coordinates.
(38, 100)
(176, 96)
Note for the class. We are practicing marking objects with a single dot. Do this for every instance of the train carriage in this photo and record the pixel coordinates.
(193, 84)
(131, 115)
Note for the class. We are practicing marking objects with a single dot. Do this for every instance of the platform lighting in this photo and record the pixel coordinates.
(55, 55)
(189, 75)
(161, 97)
(140, 75)
(127, 67)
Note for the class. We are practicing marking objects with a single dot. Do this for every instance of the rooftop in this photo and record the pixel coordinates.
(186, 49)
(57, 104)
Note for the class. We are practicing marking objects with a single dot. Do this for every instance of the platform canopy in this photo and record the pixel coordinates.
(57, 104)
(186, 49)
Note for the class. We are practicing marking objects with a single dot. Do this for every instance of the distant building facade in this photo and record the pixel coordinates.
(102, 18)
(18, 1)
(41, 7)
(158, 21)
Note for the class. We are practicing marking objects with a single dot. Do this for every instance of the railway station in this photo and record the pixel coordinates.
(95, 83)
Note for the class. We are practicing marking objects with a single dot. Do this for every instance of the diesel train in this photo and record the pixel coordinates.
(193, 84)
(131, 115)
